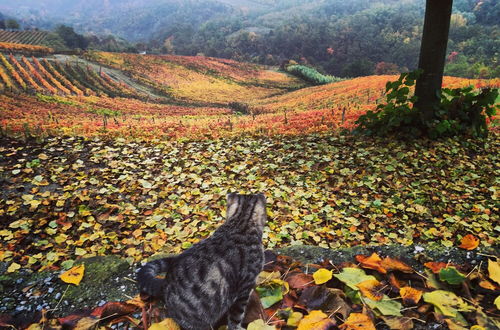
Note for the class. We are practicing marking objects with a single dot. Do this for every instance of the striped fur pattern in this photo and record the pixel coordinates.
(214, 277)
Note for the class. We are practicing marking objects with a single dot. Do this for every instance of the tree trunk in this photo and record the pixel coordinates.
(432, 55)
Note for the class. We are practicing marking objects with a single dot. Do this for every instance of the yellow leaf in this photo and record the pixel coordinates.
(167, 324)
(494, 270)
(294, 319)
(80, 251)
(260, 325)
(410, 295)
(497, 302)
(316, 320)
(86, 323)
(477, 327)
(358, 321)
(372, 289)
(322, 275)
(13, 267)
(74, 275)
(448, 303)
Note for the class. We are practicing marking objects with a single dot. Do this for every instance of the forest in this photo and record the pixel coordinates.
(344, 39)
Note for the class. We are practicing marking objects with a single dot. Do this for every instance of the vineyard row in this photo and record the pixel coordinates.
(41, 76)
(23, 37)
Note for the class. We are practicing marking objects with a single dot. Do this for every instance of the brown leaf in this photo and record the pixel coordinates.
(325, 299)
(254, 309)
(398, 323)
(299, 280)
(114, 308)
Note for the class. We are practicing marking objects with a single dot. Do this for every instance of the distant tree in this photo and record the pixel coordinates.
(12, 24)
(432, 55)
(2, 24)
(70, 37)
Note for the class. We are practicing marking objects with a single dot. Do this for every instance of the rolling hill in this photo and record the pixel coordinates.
(175, 97)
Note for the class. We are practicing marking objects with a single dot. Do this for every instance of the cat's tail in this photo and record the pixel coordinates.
(147, 277)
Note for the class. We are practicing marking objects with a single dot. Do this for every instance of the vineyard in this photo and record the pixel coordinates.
(31, 75)
(23, 37)
(196, 98)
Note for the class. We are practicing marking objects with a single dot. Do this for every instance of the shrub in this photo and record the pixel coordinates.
(310, 74)
(461, 111)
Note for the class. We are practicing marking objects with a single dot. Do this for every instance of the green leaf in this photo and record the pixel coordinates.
(451, 275)
(269, 294)
(447, 302)
(353, 276)
(386, 306)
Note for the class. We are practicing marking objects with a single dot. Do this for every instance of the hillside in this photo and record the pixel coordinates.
(149, 96)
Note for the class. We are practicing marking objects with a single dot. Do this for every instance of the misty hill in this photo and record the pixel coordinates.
(342, 38)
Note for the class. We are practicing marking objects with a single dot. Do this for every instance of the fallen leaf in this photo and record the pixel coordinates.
(357, 321)
(469, 242)
(398, 322)
(74, 275)
(391, 264)
(259, 325)
(86, 323)
(167, 324)
(353, 276)
(447, 302)
(386, 306)
(411, 296)
(324, 298)
(316, 320)
(300, 280)
(451, 275)
(294, 319)
(322, 275)
(494, 270)
(372, 289)
(497, 302)
(371, 262)
(13, 267)
(435, 266)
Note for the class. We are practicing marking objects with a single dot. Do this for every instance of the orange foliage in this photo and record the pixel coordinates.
(12, 47)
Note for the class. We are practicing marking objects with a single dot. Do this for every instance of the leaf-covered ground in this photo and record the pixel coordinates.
(367, 292)
(69, 198)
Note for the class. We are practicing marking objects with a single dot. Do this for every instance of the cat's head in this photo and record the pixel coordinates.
(251, 207)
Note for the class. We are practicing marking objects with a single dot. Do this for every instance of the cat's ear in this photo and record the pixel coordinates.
(232, 204)
(260, 212)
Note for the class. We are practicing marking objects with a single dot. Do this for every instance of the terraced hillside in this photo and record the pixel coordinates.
(176, 97)
(23, 37)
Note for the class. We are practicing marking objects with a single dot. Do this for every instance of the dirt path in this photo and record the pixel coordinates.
(113, 73)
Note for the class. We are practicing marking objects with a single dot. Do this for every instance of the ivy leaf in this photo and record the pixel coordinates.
(451, 275)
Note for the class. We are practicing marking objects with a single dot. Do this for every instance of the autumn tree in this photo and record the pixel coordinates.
(432, 55)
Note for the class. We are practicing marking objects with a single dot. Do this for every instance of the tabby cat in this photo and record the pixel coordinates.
(216, 275)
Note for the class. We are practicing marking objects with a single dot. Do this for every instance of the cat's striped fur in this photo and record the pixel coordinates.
(216, 275)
